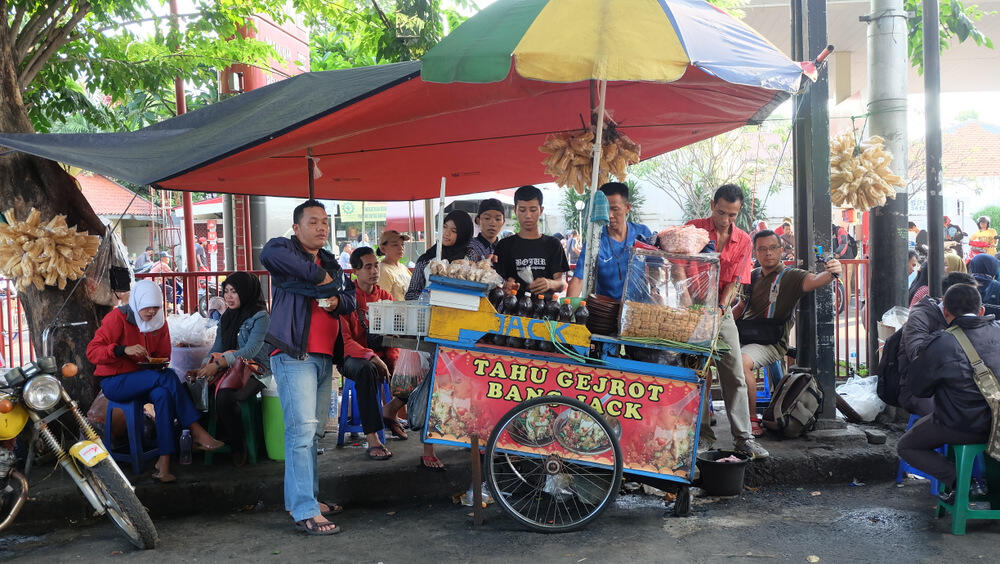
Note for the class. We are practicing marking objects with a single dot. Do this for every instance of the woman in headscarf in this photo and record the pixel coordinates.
(984, 269)
(920, 286)
(240, 334)
(136, 333)
(954, 263)
(455, 240)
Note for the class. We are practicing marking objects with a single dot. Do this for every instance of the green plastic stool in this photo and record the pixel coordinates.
(964, 456)
(253, 430)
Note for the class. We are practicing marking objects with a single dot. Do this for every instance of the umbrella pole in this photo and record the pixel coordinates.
(440, 239)
(312, 173)
(594, 231)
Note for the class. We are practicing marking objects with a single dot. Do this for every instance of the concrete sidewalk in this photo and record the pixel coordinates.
(348, 477)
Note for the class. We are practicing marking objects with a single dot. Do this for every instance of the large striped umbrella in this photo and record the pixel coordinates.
(678, 43)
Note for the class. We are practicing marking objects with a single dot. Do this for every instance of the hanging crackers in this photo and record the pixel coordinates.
(50, 254)
(570, 158)
(860, 177)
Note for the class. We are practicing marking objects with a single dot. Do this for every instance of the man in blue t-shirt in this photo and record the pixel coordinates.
(616, 244)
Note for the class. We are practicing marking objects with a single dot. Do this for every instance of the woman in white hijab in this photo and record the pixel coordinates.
(138, 333)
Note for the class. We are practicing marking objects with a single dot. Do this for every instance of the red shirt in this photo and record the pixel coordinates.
(324, 329)
(115, 330)
(355, 335)
(734, 260)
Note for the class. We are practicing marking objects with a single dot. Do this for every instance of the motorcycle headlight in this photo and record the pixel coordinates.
(42, 392)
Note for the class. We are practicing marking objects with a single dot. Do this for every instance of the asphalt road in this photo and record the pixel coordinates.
(877, 523)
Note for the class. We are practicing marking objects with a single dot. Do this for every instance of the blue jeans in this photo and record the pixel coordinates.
(163, 389)
(304, 388)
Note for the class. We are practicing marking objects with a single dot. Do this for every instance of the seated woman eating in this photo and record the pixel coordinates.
(137, 333)
(241, 333)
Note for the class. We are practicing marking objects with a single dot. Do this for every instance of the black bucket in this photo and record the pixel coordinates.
(722, 478)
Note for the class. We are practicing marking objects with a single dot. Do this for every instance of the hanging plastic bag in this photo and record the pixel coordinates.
(416, 405)
(862, 395)
(410, 369)
(104, 275)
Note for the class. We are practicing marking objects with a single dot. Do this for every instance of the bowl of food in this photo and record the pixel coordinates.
(533, 427)
(154, 363)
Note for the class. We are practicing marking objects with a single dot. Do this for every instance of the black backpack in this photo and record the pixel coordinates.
(795, 404)
(851, 251)
(889, 371)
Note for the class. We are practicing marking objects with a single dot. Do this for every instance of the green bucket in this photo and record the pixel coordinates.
(274, 425)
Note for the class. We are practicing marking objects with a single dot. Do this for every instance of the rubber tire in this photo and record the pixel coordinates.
(682, 503)
(491, 447)
(121, 492)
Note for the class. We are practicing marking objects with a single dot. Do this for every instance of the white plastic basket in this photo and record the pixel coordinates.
(398, 318)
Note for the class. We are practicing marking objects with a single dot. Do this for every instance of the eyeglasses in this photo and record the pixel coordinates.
(771, 249)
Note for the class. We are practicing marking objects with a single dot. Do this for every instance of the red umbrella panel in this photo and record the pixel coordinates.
(397, 144)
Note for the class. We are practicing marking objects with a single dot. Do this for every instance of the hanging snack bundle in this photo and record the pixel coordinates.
(463, 269)
(48, 254)
(671, 296)
(570, 157)
(860, 177)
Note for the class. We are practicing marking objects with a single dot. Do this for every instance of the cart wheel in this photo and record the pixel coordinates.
(682, 503)
(545, 486)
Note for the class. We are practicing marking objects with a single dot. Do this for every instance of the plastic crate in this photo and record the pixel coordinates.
(398, 318)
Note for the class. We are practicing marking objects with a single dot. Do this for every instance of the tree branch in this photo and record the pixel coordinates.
(381, 16)
(32, 30)
(54, 41)
(16, 24)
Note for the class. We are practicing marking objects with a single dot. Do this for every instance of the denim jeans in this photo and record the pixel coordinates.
(163, 389)
(304, 388)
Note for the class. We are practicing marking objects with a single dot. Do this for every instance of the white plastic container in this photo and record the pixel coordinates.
(398, 318)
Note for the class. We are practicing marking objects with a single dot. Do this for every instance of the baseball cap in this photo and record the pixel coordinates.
(390, 236)
(490, 204)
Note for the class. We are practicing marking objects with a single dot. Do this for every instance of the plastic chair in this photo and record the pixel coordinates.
(253, 429)
(772, 375)
(134, 425)
(350, 418)
(904, 468)
(965, 458)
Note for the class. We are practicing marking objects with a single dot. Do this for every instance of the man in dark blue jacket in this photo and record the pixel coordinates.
(310, 293)
(961, 414)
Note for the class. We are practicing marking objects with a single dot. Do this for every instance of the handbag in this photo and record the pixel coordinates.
(199, 390)
(766, 330)
(237, 375)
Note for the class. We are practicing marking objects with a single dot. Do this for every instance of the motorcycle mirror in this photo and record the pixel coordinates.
(14, 377)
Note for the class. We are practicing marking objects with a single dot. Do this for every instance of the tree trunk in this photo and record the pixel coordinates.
(26, 182)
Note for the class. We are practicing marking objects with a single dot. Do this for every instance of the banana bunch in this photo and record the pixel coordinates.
(859, 175)
(43, 254)
(570, 159)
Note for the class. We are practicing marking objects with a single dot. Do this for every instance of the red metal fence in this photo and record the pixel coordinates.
(850, 322)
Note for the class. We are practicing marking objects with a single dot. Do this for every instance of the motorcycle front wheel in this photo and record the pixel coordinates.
(121, 503)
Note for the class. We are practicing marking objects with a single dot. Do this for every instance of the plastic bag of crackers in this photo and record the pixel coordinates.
(670, 296)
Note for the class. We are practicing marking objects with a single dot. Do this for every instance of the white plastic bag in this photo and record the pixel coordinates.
(861, 394)
(896, 316)
(191, 330)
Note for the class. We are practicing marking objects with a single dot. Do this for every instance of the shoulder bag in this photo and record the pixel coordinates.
(987, 384)
(767, 330)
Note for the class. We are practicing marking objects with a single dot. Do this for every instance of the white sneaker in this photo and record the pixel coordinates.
(751, 447)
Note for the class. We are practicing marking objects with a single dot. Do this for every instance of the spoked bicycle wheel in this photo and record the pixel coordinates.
(554, 464)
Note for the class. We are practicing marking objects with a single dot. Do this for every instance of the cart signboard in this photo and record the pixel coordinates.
(654, 417)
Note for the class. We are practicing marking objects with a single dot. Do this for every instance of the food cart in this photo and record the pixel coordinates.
(564, 427)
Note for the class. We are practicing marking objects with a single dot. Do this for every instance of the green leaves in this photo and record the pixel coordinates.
(957, 21)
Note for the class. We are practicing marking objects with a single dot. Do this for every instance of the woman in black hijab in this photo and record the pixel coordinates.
(240, 334)
(455, 240)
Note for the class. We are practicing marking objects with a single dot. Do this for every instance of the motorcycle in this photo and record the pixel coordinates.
(33, 392)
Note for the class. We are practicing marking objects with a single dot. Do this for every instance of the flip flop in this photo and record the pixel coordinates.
(385, 456)
(335, 508)
(425, 459)
(311, 527)
(394, 426)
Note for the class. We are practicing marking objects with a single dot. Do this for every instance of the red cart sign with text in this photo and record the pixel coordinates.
(656, 416)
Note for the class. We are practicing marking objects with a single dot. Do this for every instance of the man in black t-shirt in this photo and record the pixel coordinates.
(530, 250)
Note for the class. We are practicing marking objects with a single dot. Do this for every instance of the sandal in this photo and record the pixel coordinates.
(393, 425)
(311, 527)
(333, 508)
(384, 456)
(208, 448)
(755, 428)
(425, 459)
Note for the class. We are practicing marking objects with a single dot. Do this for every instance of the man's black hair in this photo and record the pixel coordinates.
(913, 255)
(301, 208)
(961, 299)
(911, 225)
(730, 193)
(359, 254)
(615, 188)
(953, 278)
(527, 193)
(764, 233)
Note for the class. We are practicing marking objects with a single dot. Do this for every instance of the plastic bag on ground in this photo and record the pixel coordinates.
(861, 394)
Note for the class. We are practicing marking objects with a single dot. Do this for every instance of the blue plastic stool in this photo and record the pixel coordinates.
(350, 418)
(772, 375)
(134, 425)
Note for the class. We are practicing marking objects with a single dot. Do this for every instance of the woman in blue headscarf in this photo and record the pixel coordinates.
(984, 269)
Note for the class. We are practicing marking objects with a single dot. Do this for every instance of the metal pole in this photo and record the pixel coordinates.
(932, 111)
(805, 327)
(191, 296)
(887, 72)
(593, 230)
(311, 168)
(229, 231)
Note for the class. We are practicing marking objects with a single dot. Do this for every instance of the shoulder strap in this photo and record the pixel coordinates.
(987, 384)
(979, 367)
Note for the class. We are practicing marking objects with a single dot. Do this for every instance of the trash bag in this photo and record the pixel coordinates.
(110, 272)
(416, 405)
(410, 369)
(862, 395)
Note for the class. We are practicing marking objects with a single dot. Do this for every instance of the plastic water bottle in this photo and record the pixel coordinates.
(187, 442)
(425, 297)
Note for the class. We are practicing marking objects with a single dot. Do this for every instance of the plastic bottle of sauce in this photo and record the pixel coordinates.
(525, 307)
(582, 313)
(565, 311)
